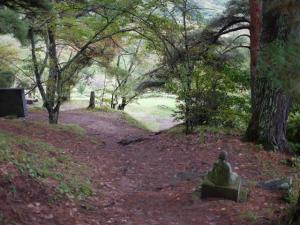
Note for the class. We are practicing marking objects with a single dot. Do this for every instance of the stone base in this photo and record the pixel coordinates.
(209, 190)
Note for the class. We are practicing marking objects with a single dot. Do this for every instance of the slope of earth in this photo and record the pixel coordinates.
(149, 181)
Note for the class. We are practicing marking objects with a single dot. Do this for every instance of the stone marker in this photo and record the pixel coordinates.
(221, 182)
(277, 184)
(12, 102)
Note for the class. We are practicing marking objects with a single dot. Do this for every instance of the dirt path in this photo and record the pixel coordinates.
(151, 182)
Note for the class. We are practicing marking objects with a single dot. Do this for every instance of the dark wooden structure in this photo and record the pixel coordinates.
(12, 102)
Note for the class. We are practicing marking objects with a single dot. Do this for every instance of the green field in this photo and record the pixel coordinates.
(154, 112)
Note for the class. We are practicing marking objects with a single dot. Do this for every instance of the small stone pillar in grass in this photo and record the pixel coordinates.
(92, 100)
(221, 181)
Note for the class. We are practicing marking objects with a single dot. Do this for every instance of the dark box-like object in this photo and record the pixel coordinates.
(231, 192)
(12, 102)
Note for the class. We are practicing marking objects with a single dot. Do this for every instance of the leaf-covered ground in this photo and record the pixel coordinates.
(146, 182)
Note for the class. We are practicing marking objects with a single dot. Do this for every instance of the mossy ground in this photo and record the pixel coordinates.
(43, 161)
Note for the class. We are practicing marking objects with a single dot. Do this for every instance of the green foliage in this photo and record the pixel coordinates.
(96, 28)
(7, 79)
(73, 128)
(217, 130)
(123, 75)
(293, 129)
(10, 22)
(81, 188)
(104, 109)
(81, 87)
(279, 63)
(8, 57)
(219, 97)
(207, 77)
(292, 195)
(250, 217)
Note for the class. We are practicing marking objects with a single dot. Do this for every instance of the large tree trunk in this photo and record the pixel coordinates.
(272, 108)
(270, 103)
(255, 31)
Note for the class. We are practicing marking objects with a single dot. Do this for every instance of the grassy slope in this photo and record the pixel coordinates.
(43, 161)
(152, 111)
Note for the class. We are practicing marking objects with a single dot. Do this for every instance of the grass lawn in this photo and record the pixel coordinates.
(155, 112)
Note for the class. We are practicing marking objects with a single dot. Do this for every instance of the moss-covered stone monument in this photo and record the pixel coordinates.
(221, 181)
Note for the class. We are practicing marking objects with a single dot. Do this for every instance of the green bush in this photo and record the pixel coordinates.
(216, 93)
(293, 131)
(7, 79)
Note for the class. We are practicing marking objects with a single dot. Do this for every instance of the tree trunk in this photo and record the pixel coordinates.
(189, 128)
(123, 104)
(270, 102)
(103, 91)
(53, 116)
(52, 82)
(67, 95)
(92, 100)
(54, 89)
(255, 31)
(113, 101)
(273, 107)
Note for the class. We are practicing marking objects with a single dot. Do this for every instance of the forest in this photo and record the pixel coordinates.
(159, 112)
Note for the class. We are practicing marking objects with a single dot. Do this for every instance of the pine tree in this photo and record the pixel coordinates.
(279, 50)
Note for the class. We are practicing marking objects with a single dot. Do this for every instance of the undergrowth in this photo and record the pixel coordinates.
(180, 129)
(43, 161)
(65, 127)
(68, 127)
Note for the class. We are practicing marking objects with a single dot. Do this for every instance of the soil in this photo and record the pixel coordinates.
(148, 182)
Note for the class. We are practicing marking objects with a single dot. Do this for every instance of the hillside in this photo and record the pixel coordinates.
(58, 175)
(212, 7)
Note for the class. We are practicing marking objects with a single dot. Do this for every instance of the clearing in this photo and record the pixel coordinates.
(150, 181)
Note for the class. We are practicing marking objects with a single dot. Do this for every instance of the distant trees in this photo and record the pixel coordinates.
(187, 49)
(167, 28)
(123, 73)
(186, 44)
(94, 28)
(8, 56)
(11, 22)
(66, 37)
